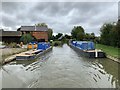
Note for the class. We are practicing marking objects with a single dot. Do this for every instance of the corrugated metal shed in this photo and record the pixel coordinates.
(10, 33)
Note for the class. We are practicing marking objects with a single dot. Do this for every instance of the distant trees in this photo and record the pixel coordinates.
(42, 24)
(58, 35)
(67, 36)
(18, 29)
(110, 34)
(78, 33)
(50, 34)
(89, 36)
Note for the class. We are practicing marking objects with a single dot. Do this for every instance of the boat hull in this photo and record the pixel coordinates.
(88, 54)
(34, 56)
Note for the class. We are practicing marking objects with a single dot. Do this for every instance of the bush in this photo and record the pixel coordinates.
(57, 43)
(26, 38)
(13, 45)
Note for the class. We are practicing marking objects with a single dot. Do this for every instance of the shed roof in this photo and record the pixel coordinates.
(10, 33)
(33, 28)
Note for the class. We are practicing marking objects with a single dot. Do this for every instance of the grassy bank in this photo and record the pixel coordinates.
(109, 50)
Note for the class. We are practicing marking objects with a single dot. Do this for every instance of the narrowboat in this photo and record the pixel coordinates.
(87, 49)
(32, 54)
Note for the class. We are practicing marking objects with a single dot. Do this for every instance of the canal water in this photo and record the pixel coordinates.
(61, 68)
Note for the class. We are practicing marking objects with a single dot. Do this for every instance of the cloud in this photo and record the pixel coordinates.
(61, 16)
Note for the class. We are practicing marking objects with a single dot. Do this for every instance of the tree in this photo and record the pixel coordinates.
(78, 33)
(118, 32)
(26, 38)
(58, 35)
(50, 34)
(110, 34)
(53, 37)
(87, 36)
(92, 36)
(67, 36)
(114, 35)
(42, 24)
(105, 33)
(97, 39)
(18, 29)
(80, 36)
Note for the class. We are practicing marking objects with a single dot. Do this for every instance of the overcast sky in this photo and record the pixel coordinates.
(60, 16)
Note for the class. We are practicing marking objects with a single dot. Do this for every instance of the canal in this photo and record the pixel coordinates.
(61, 68)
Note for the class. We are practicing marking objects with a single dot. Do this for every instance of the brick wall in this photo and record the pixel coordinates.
(40, 35)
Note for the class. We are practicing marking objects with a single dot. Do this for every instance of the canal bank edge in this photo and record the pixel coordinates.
(113, 58)
(12, 57)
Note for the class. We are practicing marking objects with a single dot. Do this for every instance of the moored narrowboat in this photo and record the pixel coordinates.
(87, 49)
(32, 54)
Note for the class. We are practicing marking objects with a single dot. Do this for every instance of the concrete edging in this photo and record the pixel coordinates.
(113, 58)
(12, 57)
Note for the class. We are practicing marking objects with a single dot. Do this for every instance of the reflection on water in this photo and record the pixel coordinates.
(62, 67)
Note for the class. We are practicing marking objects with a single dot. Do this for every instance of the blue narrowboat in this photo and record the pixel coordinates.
(87, 49)
(42, 48)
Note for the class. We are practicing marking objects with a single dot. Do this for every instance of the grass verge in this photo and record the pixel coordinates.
(57, 43)
(109, 50)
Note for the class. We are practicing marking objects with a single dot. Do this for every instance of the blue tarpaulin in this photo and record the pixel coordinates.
(43, 45)
(84, 45)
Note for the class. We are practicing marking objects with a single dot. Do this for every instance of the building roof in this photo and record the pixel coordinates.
(33, 28)
(60, 37)
(10, 33)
